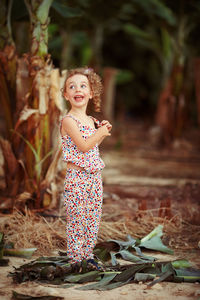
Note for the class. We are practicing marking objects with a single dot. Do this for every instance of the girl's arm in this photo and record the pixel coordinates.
(69, 126)
(101, 140)
(109, 127)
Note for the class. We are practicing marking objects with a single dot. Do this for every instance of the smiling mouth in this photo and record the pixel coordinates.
(78, 98)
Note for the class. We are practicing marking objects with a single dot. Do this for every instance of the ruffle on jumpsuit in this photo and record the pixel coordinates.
(89, 160)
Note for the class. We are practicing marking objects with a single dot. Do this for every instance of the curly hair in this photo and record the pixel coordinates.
(94, 81)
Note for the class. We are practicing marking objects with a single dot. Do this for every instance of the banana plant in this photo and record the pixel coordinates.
(29, 150)
(8, 58)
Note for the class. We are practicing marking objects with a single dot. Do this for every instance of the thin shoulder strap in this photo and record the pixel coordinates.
(74, 118)
(70, 116)
(95, 121)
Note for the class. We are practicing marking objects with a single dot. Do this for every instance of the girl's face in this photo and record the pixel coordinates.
(78, 90)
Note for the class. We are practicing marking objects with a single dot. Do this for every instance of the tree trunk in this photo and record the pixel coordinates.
(66, 49)
(8, 63)
(171, 106)
(97, 42)
(197, 85)
(109, 75)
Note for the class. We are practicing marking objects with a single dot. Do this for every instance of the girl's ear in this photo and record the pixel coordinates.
(91, 95)
(65, 95)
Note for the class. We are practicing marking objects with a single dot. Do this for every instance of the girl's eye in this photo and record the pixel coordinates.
(83, 86)
(72, 86)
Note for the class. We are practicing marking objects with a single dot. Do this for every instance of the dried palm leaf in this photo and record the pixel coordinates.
(26, 253)
(55, 92)
(19, 296)
(25, 114)
(41, 85)
(57, 271)
(12, 169)
(6, 204)
(23, 86)
(5, 102)
(50, 175)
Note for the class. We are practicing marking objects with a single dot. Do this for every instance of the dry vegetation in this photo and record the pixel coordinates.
(133, 209)
(48, 234)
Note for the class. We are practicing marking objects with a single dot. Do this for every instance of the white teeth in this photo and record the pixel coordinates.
(78, 98)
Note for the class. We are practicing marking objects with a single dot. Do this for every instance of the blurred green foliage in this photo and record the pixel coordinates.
(141, 38)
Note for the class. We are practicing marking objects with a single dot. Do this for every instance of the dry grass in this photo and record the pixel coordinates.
(29, 230)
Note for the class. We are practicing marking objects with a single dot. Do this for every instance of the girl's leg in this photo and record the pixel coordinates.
(93, 213)
(75, 206)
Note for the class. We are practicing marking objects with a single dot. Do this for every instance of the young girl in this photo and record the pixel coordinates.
(81, 134)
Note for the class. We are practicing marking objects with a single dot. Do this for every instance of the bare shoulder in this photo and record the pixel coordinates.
(67, 120)
(68, 125)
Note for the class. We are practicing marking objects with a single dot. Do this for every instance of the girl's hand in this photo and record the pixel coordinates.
(103, 129)
(107, 123)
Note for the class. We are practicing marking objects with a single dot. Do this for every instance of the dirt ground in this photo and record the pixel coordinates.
(140, 178)
(161, 291)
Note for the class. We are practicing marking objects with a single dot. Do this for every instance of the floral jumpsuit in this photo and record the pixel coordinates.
(82, 195)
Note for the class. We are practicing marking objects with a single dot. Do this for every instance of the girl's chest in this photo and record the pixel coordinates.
(87, 131)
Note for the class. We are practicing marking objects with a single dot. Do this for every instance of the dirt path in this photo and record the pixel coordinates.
(137, 168)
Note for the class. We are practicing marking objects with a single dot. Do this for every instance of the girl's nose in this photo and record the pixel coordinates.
(78, 88)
